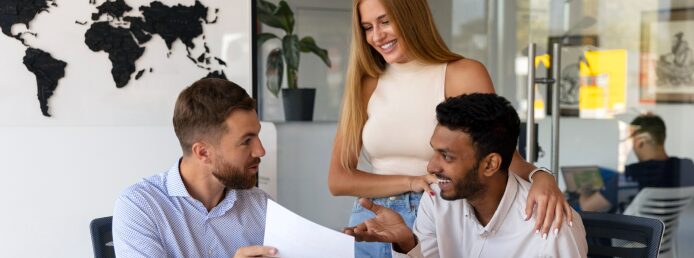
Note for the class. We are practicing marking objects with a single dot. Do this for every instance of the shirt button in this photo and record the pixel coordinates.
(209, 252)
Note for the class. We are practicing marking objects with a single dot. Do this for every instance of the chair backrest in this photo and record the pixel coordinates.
(102, 239)
(665, 204)
(642, 235)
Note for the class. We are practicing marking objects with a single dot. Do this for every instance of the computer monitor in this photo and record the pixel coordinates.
(579, 178)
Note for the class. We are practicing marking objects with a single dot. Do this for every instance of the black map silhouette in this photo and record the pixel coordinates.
(21, 12)
(48, 70)
(123, 37)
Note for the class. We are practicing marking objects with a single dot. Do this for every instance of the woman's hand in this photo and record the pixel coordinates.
(420, 184)
(551, 204)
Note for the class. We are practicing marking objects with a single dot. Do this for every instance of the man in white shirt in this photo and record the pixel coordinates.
(479, 208)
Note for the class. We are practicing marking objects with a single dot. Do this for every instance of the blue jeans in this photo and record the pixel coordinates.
(405, 204)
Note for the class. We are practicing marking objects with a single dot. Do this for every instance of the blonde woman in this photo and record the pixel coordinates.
(399, 70)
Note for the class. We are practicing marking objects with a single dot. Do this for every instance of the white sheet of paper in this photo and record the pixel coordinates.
(297, 237)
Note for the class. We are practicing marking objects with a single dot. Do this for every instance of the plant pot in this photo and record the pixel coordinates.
(298, 104)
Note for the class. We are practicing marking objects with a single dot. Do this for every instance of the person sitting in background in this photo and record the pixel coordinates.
(655, 167)
(207, 204)
(480, 206)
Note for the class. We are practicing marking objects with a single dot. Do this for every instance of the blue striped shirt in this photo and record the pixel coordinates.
(158, 218)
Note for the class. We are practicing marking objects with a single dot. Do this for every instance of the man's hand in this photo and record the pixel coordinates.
(256, 251)
(387, 227)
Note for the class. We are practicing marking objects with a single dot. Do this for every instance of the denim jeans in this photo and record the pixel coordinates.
(405, 204)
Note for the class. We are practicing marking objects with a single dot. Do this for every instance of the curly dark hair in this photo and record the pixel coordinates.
(489, 119)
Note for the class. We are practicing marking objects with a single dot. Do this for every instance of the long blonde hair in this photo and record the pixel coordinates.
(421, 38)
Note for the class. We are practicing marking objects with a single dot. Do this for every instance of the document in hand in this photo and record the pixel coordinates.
(297, 237)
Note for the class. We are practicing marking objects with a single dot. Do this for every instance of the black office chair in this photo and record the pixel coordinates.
(616, 235)
(102, 239)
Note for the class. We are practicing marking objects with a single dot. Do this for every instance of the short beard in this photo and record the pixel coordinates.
(470, 187)
(234, 177)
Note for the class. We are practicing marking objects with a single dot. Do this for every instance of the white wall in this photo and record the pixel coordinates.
(55, 180)
(679, 120)
(59, 173)
(304, 157)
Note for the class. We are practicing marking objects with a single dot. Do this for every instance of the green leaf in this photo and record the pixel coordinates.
(280, 17)
(262, 37)
(265, 7)
(308, 44)
(271, 21)
(266, 14)
(265, 11)
(284, 12)
(274, 71)
(291, 48)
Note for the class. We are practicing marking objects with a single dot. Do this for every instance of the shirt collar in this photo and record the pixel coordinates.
(504, 205)
(176, 188)
(174, 182)
(226, 204)
(501, 210)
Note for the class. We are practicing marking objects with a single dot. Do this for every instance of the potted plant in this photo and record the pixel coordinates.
(298, 103)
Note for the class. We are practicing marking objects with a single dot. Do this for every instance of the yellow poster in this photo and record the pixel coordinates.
(602, 91)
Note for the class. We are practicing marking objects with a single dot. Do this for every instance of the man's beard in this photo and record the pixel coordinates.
(234, 177)
(470, 187)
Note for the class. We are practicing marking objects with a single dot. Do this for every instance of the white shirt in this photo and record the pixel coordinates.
(450, 229)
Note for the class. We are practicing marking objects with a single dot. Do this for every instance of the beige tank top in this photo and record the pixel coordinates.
(402, 117)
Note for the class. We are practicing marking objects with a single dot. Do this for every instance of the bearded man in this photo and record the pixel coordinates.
(207, 204)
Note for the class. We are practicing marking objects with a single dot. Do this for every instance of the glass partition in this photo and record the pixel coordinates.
(619, 61)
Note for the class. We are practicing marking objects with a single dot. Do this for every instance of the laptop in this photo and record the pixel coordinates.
(582, 177)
